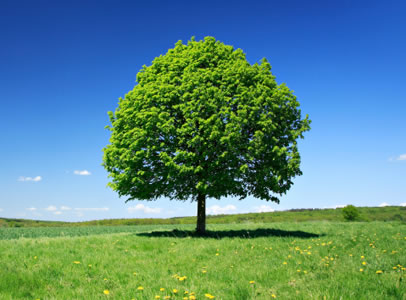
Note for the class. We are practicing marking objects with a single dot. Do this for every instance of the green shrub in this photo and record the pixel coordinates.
(350, 213)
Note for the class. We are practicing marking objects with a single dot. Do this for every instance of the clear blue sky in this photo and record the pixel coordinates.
(64, 64)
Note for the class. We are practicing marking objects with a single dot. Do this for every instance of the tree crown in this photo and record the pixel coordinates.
(202, 120)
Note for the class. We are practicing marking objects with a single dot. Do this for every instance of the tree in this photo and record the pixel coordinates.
(202, 122)
(350, 213)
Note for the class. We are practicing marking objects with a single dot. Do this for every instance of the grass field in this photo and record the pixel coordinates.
(367, 214)
(309, 260)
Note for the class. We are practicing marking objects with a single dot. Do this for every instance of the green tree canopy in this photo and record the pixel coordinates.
(203, 122)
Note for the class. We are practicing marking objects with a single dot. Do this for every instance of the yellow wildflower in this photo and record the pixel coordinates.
(157, 297)
(252, 281)
(361, 270)
(76, 262)
(209, 296)
(162, 289)
(140, 288)
(174, 291)
(379, 272)
(106, 292)
(364, 263)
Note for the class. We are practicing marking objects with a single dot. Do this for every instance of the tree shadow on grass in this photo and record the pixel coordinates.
(244, 234)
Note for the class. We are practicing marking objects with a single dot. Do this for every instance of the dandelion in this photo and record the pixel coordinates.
(135, 274)
(209, 296)
(76, 262)
(361, 270)
(89, 266)
(204, 271)
(362, 256)
(182, 278)
(273, 296)
(217, 254)
(379, 272)
(192, 297)
(252, 282)
(285, 263)
(35, 257)
(394, 268)
(140, 288)
(167, 297)
(106, 292)
(157, 297)
(364, 263)
(174, 291)
(162, 289)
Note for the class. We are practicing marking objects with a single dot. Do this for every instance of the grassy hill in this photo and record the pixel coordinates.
(388, 213)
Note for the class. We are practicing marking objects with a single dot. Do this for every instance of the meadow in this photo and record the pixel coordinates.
(282, 260)
(367, 214)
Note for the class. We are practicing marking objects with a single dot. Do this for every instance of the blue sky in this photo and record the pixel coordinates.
(64, 64)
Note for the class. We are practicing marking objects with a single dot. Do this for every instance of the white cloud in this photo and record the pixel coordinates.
(1, 209)
(57, 212)
(263, 208)
(384, 204)
(401, 157)
(402, 204)
(35, 179)
(218, 210)
(51, 208)
(65, 208)
(144, 209)
(32, 208)
(340, 206)
(92, 209)
(82, 173)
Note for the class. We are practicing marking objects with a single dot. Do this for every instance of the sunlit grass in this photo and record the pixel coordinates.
(282, 260)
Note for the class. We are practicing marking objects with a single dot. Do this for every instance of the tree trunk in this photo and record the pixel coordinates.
(201, 214)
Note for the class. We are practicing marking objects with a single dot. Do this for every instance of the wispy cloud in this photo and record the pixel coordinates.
(384, 204)
(92, 209)
(1, 209)
(65, 208)
(401, 157)
(32, 208)
(57, 212)
(82, 172)
(263, 208)
(340, 206)
(218, 210)
(144, 209)
(51, 208)
(35, 179)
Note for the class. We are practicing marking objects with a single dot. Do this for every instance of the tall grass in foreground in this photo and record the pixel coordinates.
(317, 260)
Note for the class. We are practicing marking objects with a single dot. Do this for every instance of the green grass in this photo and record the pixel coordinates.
(323, 260)
(388, 213)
